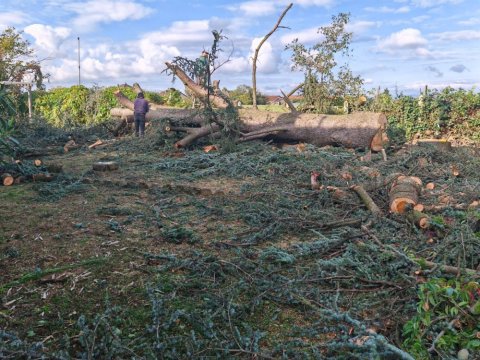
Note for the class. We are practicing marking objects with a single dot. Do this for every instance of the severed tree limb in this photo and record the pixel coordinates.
(197, 133)
(198, 90)
(298, 87)
(257, 50)
(289, 103)
(367, 200)
(448, 269)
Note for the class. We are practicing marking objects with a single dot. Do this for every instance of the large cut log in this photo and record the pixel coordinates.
(405, 190)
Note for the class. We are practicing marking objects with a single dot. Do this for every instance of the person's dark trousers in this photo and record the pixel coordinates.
(139, 124)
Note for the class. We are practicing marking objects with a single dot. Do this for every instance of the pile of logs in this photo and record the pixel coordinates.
(37, 172)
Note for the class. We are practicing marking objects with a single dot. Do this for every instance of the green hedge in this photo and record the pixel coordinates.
(78, 105)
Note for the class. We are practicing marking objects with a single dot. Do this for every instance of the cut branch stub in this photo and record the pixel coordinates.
(405, 190)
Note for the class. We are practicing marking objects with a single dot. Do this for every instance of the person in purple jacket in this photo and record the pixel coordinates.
(140, 109)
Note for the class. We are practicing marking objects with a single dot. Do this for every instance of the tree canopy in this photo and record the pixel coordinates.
(17, 59)
(326, 77)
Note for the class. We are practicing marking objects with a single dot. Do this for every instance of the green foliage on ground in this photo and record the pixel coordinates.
(447, 306)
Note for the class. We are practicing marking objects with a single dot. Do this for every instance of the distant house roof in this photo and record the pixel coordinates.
(277, 99)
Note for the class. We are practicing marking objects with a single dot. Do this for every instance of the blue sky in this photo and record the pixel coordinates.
(402, 45)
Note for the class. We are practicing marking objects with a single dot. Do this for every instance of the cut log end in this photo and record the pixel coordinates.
(37, 162)
(105, 166)
(7, 179)
(400, 205)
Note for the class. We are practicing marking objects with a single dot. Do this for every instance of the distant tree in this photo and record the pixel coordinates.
(325, 78)
(244, 94)
(17, 58)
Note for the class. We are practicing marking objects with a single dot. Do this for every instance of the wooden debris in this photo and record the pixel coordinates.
(42, 177)
(95, 144)
(105, 166)
(430, 186)
(314, 180)
(419, 219)
(405, 190)
(7, 179)
(37, 162)
(438, 144)
(384, 154)
(70, 145)
(419, 207)
(20, 179)
(367, 200)
(209, 148)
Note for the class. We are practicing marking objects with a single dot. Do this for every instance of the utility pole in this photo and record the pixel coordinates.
(79, 82)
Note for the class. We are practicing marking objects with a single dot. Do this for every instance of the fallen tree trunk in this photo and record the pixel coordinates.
(357, 130)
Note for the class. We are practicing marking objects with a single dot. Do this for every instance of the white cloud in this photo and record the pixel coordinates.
(406, 39)
(464, 35)
(359, 27)
(268, 59)
(305, 36)
(12, 18)
(386, 9)
(324, 3)
(255, 8)
(457, 84)
(238, 65)
(470, 22)
(258, 8)
(431, 3)
(93, 12)
(47, 38)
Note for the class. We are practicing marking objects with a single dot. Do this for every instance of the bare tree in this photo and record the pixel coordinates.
(257, 50)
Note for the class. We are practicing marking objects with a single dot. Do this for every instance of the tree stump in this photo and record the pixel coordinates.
(405, 190)
(105, 166)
